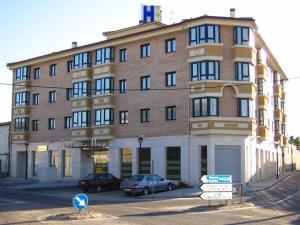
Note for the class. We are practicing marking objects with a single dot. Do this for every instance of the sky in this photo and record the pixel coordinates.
(30, 28)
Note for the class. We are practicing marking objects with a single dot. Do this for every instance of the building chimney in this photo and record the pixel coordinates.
(74, 44)
(232, 12)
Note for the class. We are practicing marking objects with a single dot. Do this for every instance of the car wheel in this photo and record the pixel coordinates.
(98, 189)
(85, 190)
(170, 187)
(146, 191)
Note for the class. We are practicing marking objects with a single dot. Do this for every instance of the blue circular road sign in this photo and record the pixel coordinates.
(80, 201)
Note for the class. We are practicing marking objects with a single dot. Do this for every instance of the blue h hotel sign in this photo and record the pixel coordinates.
(151, 13)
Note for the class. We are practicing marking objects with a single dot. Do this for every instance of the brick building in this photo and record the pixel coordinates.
(206, 94)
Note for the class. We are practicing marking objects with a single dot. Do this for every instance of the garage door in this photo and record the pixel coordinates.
(227, 159)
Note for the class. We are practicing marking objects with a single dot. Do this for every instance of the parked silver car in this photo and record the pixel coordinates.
(145, 184)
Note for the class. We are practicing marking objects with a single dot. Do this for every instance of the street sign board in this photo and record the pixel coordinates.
(216, 187)
(216, 179)
(216, 195)
(80, 201)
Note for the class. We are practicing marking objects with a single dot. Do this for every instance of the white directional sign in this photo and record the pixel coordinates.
(216, 195)
(216, 179)
(216, 187)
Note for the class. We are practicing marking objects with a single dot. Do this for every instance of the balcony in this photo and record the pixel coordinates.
(208, 51)
(22, 85)
(20, 137)
(245, 53)
(278, 114)
(81, 103)
(284, 118)
(103, 100)
(285, 141)
(198, 88)
(263, 132)
(103, 70)
(263, 101)
(82, 74)
(279, 137)
(223, 125)
(81, 133)
(21, 110)
(278, 90)
(106, 132)
(262, 71)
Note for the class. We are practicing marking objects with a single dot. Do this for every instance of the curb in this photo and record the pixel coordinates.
(271, 185)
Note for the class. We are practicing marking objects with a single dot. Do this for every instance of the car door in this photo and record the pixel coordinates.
(159, 183)
(112, 182)
(150, 182)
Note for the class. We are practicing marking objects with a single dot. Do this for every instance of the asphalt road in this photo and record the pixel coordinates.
(277, 205)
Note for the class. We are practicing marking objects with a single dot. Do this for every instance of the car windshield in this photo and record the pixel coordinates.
(136, 178)
(90, 176)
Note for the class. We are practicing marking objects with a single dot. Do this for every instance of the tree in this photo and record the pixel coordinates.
(295, 141)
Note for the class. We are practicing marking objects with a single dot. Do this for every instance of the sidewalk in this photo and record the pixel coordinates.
(32, 184)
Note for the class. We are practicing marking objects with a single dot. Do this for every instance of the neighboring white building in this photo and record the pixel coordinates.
(4, 148)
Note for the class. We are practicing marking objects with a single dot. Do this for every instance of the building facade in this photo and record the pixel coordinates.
(4, 148)
(205, 95)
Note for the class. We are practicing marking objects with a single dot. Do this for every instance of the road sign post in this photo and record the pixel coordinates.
(216, 187)
(80, 202)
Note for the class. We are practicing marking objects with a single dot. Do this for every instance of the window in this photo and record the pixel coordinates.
(34, 163)
(276, 77)
(52, 96)
(104, 55)
(242, 71)
(282, 104)
(70, 66)
(277, 126)
(170, 79)
(170, 45)
(69, 93)
(35, 125)
(204, 34)
(243, 107)
(22, 98)
(68, 122)
(145, 50)
(81, 119)
(262, 117)
(37, 73)
(104, 116)
(241, 35)
(21, 124)
(171, 113)
(276, 102)
(123, 55)
(81, 60)
(207, 106)
(81, 89)
(283, 128)
(260, 85)
(144, 158)
(53, 70)
(173, 163)
(67, 163)
(205, 70)
(53, 158)
(126, 162)
(123, 86)
(145, 83)
(203, 160)
(145, 115)
(23, 73)
(123, 117)
(51, 123)
(104, 86)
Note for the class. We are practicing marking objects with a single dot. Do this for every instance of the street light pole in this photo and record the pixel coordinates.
(26, 162)
(292, 160)
(140, 140)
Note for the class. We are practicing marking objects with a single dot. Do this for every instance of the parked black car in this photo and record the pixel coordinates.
(99, 182)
